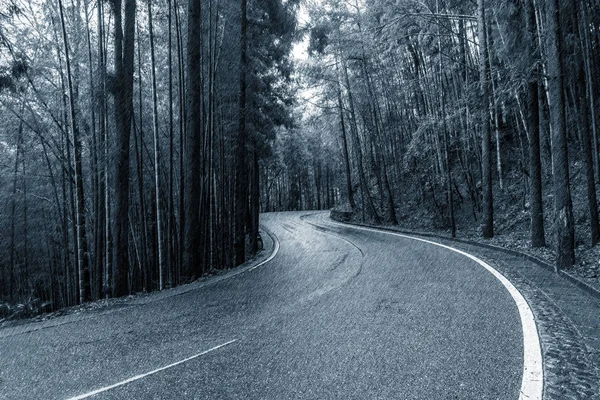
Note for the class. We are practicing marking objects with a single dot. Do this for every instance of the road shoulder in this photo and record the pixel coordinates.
(566, 315)
(103, 307)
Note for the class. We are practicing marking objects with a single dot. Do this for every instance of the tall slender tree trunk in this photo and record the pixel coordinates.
(254, 201)
(159, 224)
(97, 194)
(145, 264)
(241, 195)
(192, 255)
(11, 281)
(124, 56)
(182, 134)
(347, 169)
(27, 284)
(171, 209)
(358, 151)
(83, 256)
(589, 79)
(449, 191)
(103, 256)
(563, 208)
(67, 164)
(583, 106)
(487, 221)
(538, 238)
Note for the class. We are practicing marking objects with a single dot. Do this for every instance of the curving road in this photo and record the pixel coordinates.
(338, 313)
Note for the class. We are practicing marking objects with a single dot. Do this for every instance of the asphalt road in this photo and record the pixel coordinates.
(338, 313)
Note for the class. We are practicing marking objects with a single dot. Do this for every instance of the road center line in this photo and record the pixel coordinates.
(137, 377)
(532, 385)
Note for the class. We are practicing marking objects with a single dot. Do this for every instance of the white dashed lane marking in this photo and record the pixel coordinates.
(138, 377)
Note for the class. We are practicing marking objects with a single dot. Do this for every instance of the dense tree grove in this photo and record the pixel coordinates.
(141, 138)
(460, 113)
(123, 122)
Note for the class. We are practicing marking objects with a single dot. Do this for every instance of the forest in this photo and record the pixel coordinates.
(123, 124)
(141, 139)
(469, 118)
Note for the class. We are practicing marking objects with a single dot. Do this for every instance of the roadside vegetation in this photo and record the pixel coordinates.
(140, 139)
(478, 119)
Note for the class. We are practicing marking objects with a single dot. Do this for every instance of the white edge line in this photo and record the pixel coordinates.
(137, 377)
(532, 385)
(10, 331)
(273, 254)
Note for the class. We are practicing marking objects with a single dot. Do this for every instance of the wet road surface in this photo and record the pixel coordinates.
(338, 313)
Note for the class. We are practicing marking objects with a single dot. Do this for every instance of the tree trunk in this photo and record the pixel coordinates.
(97, 194)
(11, 281)
(124, 56)
(101, 218)
(241, 195)
(346, 154)
(358, 151)
(583, 94)
(254, 201)
(182, 135)
(533, 127)
(83, 256)
(159, 227)
(449, 191)
(487, 220)
(171, 208)
(192, 256)
(563, 208)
